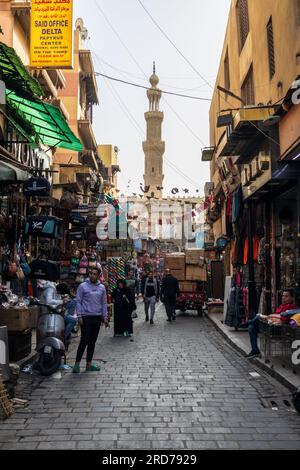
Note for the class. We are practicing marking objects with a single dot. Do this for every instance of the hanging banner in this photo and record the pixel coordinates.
(51, 34)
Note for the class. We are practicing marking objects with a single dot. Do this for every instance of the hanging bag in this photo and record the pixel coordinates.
(43, 226)
(78, 219)
(36, 186)
(44, 269)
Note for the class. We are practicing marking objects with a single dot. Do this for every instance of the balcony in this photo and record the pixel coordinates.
(87, 134)
(87, 74)
(21, 9)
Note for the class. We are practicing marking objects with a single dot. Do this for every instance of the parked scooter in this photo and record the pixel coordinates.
(50, 338)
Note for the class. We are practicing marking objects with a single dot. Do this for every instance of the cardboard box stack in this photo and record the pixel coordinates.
(176, 263)
(195, 265)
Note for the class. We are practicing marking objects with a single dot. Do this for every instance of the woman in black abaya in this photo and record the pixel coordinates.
(124, 305)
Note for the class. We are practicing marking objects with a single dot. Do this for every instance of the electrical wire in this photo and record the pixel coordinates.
(147, 88)
(140, 68)
(195, 70)
(141, 133)
(182, 89)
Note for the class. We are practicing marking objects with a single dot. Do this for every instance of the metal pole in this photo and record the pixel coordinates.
(251, 281)
(268, 272)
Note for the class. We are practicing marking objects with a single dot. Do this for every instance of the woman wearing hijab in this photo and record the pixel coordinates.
(124, 305)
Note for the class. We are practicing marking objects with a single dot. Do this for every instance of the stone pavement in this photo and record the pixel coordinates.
(178, 385)
(275, 366)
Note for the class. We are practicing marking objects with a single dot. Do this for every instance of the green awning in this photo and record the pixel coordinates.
(17, 122)
(15, 75)
(47, 121)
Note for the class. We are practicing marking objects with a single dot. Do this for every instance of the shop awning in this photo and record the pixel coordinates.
(11, 173)
(15, 75)
(47, 121)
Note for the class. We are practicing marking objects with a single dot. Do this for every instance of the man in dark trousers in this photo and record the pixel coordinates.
(91, 309)
(169, 293)
(150, 292)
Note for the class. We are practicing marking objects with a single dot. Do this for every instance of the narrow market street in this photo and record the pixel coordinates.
(177, 385)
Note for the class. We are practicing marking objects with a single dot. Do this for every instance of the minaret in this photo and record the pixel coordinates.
(154, 147)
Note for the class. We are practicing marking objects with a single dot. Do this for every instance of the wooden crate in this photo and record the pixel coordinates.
(194, 256)
(16, 319)
(175, 261)
(195, 273)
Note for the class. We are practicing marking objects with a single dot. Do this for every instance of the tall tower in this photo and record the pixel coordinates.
(154, 147)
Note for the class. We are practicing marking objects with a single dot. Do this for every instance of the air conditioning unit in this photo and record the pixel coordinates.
(264, 161)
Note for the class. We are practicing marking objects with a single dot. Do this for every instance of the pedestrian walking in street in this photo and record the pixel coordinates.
(169, 293)
(91, 308)
(124, 304)
(133, 284)
(150, 292)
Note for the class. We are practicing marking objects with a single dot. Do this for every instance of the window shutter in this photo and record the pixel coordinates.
(271, 50)
(248, 88)
(243, 21)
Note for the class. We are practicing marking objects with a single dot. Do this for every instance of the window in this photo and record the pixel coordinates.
(248, 88)
(152, 170)
(226, 72)
(271, 51)
(243, 21)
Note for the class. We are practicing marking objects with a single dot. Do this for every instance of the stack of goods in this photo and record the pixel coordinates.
(116, 270)
(79, 220)
(176, 263)
(195, 265)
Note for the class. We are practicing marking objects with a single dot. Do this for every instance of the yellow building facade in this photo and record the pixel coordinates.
(259, 62)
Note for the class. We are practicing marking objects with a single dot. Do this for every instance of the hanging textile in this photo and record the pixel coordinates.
(235, 308)
(255, 249)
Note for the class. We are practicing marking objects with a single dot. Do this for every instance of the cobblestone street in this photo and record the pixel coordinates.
(178, 386)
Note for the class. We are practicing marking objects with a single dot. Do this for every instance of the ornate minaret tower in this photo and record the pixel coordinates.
(154, 147)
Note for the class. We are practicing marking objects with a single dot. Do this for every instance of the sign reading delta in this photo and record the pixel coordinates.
(51, 34)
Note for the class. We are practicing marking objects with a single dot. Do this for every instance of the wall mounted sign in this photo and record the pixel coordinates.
(51, 34)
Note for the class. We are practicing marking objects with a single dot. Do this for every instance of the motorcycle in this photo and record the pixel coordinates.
(50, 339)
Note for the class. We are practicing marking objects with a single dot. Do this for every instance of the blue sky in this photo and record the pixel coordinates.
(197, 28)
